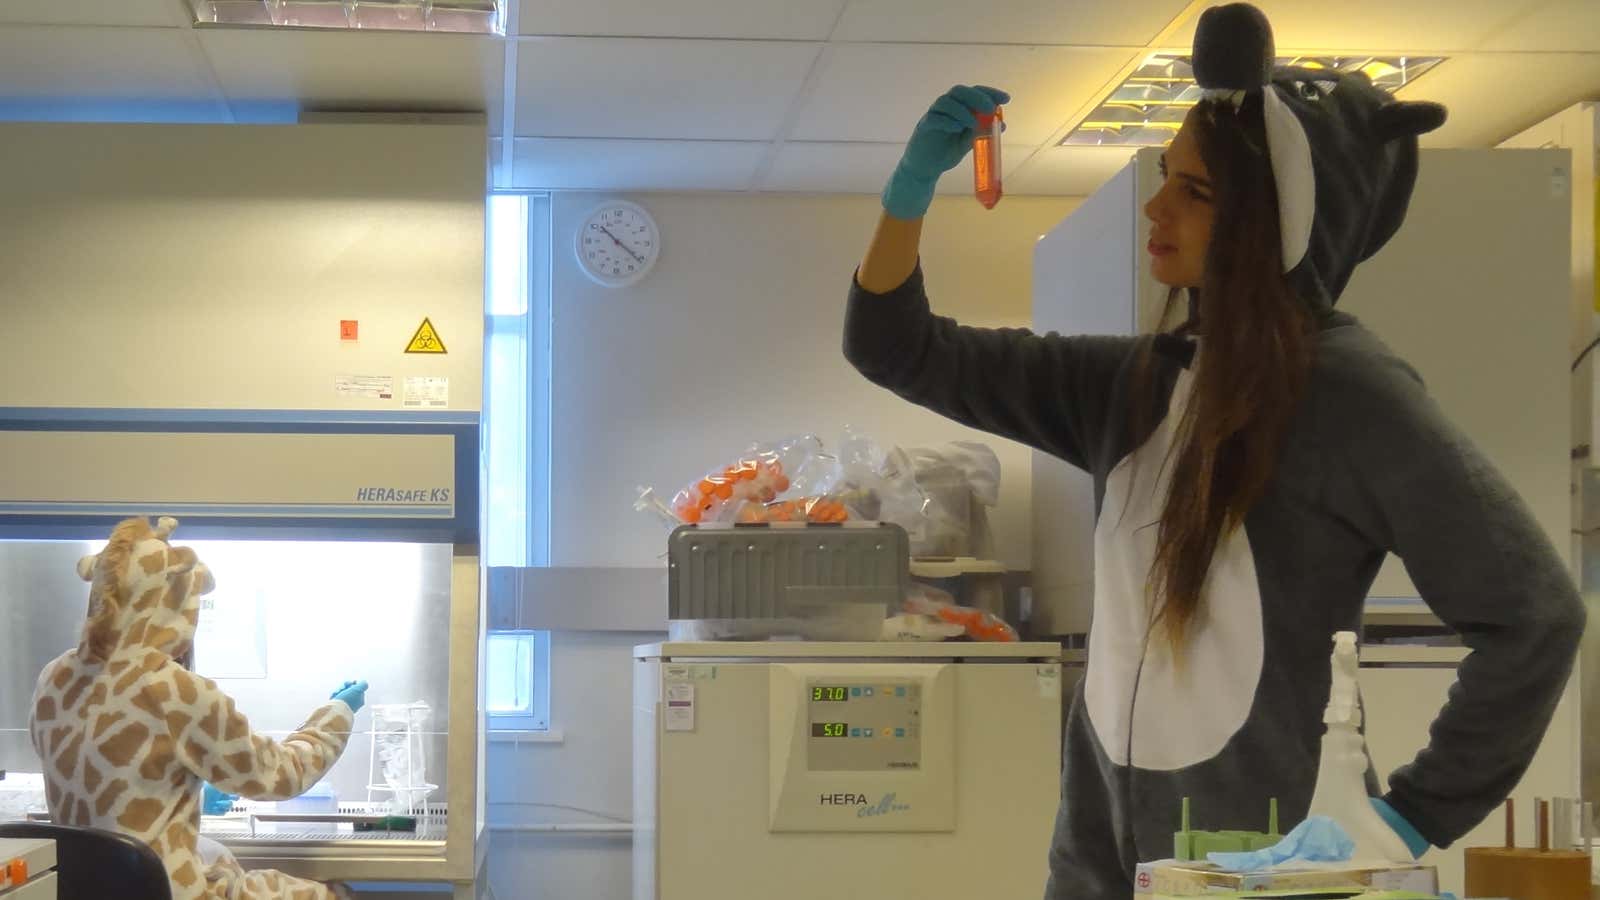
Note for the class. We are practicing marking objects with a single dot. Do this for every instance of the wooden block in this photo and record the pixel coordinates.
(1527, 874)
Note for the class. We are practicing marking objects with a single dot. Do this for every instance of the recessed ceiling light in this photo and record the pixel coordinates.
(1147, 109)
(459, 16)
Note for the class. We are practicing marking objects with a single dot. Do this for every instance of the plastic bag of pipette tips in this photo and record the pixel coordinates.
(798, 480)
(940, 606)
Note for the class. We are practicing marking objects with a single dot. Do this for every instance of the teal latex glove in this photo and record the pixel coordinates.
(1317, 839)
(353, 693)
(214, 802)
(1415, 842)
(939, 142)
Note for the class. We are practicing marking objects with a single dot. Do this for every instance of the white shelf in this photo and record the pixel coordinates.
(767, 650)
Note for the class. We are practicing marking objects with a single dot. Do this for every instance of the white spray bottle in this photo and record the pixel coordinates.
(1341, 792)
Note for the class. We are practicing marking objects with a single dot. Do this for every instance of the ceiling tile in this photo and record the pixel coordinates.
(156, 13)
(644, 88)
(1494, 96)
(1071, 171)
(876, 92)
(623, 165)
(62, 68)
(1092, 22)
(1402, 26)
(860, 168)
(832, 168)
(1572, 25)
(803, 20)
(360, 70)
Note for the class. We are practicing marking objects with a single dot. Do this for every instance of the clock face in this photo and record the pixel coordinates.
(617, 244)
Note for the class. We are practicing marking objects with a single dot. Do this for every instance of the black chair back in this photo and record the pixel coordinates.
(92, 864)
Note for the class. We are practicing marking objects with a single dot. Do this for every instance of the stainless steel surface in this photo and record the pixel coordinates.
(557, 598)
(291, 832)
(42, 604)
(467, 753)
(763, 573)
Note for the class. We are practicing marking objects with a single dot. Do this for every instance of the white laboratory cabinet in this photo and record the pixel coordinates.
(797, 770)
(1577, 130)
(1473, 291)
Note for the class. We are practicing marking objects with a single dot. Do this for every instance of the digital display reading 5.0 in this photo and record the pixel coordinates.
(829, 693)
(828, 729)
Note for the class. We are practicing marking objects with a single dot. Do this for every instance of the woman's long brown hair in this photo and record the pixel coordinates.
(1256, 346)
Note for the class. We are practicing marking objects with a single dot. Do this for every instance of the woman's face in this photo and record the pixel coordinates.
(1180, 214)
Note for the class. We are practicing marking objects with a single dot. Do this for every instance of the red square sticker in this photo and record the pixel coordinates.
(348, 329)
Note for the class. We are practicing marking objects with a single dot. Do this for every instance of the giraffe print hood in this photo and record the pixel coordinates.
(144, 593)
(127, 735)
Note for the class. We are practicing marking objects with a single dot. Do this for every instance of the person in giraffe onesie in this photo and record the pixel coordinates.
(128, 736)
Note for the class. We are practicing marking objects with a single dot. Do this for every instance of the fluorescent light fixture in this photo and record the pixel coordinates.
(1147, 109)
(460, 16)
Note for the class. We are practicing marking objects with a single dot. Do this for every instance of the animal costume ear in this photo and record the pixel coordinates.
(1408, 119)
(181, 559)
(1233, 48)
(104, 572)
(1343, 151)
(205, 582)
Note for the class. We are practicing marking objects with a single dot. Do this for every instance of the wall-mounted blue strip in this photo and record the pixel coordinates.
(240, 528)
(262, 510)
(355, 421)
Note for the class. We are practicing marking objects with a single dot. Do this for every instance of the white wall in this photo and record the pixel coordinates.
(591, 692)
(734, 337)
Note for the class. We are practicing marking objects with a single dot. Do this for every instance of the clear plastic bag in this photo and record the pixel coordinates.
(979, 625)
(797, 480)
(958, 480)
(759, 476)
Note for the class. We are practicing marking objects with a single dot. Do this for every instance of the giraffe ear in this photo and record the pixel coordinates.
(181, 559)
(86, 567)
(205, 582)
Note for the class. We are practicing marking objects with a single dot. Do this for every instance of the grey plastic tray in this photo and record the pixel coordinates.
(766, 572)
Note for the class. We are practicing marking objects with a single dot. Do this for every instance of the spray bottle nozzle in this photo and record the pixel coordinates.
(1343, 706)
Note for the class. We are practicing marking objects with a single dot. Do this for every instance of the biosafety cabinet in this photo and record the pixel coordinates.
(221, 324)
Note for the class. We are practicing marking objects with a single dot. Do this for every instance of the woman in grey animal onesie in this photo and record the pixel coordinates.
(1252, 468)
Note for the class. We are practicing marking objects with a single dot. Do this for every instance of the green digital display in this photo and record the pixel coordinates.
(830, 693)
(828, 729)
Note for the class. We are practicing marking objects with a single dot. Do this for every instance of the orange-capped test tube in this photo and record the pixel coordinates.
(986, 158)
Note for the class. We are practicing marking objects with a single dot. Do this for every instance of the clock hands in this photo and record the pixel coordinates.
(636, 257)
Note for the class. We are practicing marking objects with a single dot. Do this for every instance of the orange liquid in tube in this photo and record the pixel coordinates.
(986, 158)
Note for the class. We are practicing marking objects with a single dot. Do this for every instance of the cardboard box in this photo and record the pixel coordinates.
(1170, 878)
